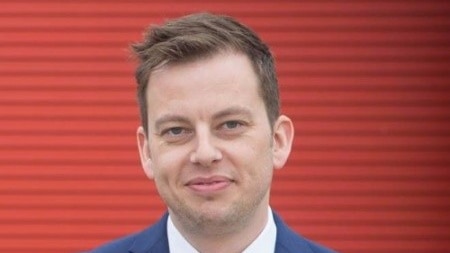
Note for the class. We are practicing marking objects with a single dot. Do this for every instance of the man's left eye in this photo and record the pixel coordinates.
(232, 124)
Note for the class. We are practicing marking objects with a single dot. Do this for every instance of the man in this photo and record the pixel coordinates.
(210, 139)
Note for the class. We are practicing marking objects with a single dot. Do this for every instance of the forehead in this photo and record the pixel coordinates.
(217, 81)
(223, 70)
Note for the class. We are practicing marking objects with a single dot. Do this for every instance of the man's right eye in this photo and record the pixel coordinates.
(174, 131)
(176, 134)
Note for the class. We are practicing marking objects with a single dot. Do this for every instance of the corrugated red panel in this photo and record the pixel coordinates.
(366, 82)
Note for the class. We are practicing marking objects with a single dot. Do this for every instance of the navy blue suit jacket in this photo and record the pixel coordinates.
(154, 240)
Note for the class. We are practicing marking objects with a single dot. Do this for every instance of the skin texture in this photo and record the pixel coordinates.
(211, 150)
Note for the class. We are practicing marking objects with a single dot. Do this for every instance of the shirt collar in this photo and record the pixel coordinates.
(177, 243)
(264, 243)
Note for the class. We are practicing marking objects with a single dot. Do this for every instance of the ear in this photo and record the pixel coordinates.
(283, 135)
(144, 152)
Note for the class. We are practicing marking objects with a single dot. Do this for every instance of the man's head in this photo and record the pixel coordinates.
(199, 36)
(208, 143)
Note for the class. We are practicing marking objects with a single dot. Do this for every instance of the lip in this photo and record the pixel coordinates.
(209, 185)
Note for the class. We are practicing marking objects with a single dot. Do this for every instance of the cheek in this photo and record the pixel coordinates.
(168, 163)
(253, 159)
(166, 174)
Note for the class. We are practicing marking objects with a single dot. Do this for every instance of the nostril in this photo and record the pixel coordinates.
(206, 151)
(205, 158)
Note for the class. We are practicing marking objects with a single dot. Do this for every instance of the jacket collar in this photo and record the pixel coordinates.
(154, 239)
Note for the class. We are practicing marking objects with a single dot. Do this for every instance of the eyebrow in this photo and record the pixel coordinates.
(169, 118)
(235, 110)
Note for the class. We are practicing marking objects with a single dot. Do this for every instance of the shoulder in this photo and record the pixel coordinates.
(119, 245)
(152, 237)
(317, 248)
(289, 241)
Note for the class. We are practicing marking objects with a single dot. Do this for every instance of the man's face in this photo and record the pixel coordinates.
(209, 146)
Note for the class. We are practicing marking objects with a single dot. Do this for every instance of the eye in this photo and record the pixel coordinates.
(232, 124)
(174, 131)
(176, 134)
(232, 128)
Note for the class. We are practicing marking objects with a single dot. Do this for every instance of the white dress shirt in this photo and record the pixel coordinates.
(264, 243)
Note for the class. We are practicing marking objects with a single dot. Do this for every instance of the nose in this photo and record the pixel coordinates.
(206, 152)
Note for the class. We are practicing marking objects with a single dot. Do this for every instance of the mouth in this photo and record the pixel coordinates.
(209, 185)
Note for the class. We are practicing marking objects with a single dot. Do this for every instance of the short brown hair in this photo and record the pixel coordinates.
(197, 36)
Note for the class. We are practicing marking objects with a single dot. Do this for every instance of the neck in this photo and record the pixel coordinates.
(233, 240)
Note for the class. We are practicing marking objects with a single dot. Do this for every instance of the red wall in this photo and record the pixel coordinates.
(366, 82)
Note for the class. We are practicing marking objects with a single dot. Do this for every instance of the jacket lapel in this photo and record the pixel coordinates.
(153, 239)
(287, 240)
